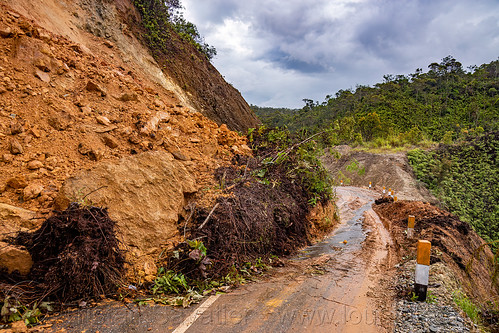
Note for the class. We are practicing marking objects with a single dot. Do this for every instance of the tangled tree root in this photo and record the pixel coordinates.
(76, 254)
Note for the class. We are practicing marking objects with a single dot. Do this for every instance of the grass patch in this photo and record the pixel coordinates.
(468, 307)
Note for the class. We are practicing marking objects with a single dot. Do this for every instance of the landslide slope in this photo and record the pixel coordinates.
(186, 73)
(71, 113)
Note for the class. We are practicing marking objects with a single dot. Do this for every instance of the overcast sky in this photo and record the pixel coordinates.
(280, 52)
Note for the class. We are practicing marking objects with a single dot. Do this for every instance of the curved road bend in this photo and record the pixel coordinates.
(333, 302)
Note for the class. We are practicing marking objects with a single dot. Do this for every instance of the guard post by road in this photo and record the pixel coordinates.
(422, 270)
(411, 221)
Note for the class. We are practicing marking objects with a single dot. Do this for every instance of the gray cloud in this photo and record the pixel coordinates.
(279, 52)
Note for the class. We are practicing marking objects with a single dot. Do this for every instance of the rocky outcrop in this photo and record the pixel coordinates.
(144, 194)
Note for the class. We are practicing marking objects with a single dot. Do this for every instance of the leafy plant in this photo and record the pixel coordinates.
(430, 298)
(12, 310)
(161, 17)
(168, 281)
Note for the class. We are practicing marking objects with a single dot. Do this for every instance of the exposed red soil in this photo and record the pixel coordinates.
(63, 109)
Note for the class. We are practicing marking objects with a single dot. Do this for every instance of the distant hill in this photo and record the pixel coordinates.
(442, 102)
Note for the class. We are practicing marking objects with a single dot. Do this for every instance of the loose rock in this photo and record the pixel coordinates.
(15, 147)
(13, 258)
(110, 141)
(34, 165)
(17, 182)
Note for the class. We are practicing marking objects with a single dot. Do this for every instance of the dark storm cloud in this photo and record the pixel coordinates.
(278, 52)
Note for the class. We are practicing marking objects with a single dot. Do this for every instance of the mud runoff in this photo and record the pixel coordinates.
(330, 287)
(350, 234)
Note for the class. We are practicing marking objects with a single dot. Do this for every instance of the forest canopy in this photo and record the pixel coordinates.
(440, 104)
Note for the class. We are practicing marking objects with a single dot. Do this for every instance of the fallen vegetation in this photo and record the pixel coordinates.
(76, 256)
(263, 211)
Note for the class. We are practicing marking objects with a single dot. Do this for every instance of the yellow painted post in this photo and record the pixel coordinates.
(411, 220)
(422, 269)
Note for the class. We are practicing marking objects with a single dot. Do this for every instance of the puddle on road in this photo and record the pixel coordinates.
(350, 231)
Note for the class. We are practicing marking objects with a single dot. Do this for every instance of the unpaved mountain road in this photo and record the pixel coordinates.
(328, 287)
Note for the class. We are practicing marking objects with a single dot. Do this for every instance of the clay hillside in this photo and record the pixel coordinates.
(87, 115)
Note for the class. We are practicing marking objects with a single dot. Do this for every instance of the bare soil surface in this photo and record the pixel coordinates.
(389, 170)
(336, 285)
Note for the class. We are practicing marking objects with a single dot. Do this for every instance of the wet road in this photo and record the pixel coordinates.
(323, 289)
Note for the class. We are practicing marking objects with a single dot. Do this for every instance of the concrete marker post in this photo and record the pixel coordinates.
(422, 270)
(341, 182)
(370, 184)
(411, 220)
(389, 192)
(384, 190)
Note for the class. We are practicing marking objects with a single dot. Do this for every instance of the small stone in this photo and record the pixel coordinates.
(17, 182)
(126, 97)
(110, 141)
(86, 109)
(103, 120)
(15, 147)
(34, 165)
(32, 191)
(158, 103)
(92, 86)
(108, 44)
(43, 76)
(147, 145)
(57, 123)
(7, 158)
(195, 140)
(16, 128)
(90, 152)
(179, 156)
(35, 132)
(6, 32)
(41, 65)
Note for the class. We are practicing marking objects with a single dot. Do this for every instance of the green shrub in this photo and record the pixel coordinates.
(464, 177)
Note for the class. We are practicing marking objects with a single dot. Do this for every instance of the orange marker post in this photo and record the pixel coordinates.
(411, 221)
(384, 190)
(395, 198)
(422, 270)
(370, 185)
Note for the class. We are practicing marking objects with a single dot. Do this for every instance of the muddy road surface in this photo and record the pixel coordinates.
(332, 286)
